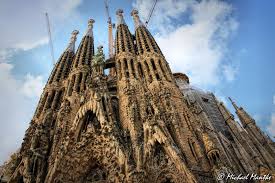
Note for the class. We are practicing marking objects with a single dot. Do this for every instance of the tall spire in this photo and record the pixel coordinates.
(137, 20)
(244, 117)
(90, 28)
(120, 19)
(234, 104)
(72, 41)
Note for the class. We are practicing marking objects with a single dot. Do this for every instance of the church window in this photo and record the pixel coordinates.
(79, 82)
(126, 68)
(140, 70)
(132, 67)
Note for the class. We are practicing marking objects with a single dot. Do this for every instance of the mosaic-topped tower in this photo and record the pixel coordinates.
(138, 123)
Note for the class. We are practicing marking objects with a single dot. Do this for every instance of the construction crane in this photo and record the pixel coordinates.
(110, 31)
(50, 37)
(150, 13)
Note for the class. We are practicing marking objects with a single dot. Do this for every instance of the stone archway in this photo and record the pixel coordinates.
(89, 149)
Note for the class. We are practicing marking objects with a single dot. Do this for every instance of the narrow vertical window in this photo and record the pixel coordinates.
(140, 71)
(70, 90)
(148, 70)
(132, 67)
(119, 69)
(162, 70)
(126, 68)
(79, 82)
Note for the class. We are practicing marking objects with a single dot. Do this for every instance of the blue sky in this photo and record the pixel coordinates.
(226, 47)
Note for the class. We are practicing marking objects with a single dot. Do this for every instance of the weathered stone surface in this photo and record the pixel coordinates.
(139, 124)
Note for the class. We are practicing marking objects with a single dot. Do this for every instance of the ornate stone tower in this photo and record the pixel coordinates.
(139, 123)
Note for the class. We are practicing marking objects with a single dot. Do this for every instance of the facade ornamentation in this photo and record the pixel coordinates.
(139, 124)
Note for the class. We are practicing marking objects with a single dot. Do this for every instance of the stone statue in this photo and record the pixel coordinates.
(99, 57)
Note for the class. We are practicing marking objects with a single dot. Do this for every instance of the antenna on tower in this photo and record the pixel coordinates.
(50, 37)
(110, 30)
(150, 13)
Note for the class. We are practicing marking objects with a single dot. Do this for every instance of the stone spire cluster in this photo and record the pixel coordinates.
(139, 123)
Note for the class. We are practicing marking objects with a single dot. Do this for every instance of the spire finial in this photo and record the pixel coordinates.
(72, 41)
(90, 27)
(137, 21)
(233, 103)
(120, 19)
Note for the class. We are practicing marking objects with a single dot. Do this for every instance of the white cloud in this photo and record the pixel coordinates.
(25, 27)
(16, 108)
(29, 45)
(168, 9)
(229, 72)
(5, 55)
(32, 86)
(198, 47)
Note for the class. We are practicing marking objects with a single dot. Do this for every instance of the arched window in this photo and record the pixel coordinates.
(132, 67)
(70, 90)
(79, 82)
(126, 68)
(103, 104)
(140, 70)
(115, 109)
(155, 68)
(148, 70)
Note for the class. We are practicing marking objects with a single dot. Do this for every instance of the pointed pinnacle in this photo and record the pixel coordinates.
(74, 34)
(233, 103)
(120, 19)
(90, 27)
(72, 40)
(137, 21)
(91, 22)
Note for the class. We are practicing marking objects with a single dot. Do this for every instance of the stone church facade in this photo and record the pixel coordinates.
(138, 123)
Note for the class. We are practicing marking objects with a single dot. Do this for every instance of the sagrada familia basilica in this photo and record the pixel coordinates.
(139, 123)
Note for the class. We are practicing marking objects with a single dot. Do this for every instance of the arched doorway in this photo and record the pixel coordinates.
(89, 122)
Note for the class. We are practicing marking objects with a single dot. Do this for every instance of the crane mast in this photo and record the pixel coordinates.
(110, 31)
(50, 37)
(150, 13)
